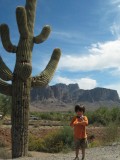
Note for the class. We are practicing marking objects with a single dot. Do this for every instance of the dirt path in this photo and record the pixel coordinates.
(98, 153)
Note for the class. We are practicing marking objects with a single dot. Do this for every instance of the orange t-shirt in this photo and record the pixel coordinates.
(79, 127)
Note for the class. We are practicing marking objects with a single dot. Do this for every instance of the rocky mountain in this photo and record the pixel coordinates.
(64, 95)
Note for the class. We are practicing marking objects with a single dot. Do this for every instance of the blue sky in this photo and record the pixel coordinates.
(86, 31)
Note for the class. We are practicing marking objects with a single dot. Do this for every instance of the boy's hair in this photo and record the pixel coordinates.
(80, 108)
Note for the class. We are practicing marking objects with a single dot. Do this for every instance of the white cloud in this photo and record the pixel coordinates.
(116, 4)
(100, 56)
(73, 37)
(84, 83)
(115, 29)
(115, 1)
(115, 72)
(57, 34)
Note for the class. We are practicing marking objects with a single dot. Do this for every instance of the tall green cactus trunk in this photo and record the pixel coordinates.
(21, 78)
(20, 117)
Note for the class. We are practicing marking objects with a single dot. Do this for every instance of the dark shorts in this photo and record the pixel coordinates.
(81, 143)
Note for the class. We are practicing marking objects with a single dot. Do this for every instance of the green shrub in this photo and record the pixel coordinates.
(112, 134)
(104, 116)
(95, 143)
(101, 116)
(53, 142)
(35, 143)
(55, 116)
(5, 105)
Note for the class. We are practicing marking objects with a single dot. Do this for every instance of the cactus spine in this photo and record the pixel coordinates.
(21, 79)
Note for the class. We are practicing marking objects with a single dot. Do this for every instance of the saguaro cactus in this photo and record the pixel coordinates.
(21, 79)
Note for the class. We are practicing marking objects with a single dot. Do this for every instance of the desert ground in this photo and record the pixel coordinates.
(109, 152)
(98, 153)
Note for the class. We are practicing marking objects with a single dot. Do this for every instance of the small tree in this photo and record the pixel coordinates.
(21, 80)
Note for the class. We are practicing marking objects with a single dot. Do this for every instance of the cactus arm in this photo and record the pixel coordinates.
(5, 88)
(43, 35)
(22, 22)
(5, 72)
(5, 38)
(30, 10)
(44, 78)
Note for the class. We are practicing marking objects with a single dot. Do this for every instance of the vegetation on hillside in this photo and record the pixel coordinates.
(62, 138)
(56, 141)
(102, 116)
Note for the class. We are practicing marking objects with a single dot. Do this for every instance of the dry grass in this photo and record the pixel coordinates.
(103, 136)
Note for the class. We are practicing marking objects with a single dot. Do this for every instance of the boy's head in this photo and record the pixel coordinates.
(80, 108)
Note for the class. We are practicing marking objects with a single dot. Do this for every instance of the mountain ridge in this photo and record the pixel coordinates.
(61, 96)
(64, 92)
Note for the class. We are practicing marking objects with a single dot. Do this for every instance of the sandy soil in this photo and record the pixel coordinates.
(99, 153)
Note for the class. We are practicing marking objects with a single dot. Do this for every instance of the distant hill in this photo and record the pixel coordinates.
(62, 96)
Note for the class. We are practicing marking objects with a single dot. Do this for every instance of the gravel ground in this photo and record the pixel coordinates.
(99, 153)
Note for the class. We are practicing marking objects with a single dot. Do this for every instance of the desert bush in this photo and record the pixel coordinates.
(111, 134)
(115, 115)
(5, 105)
(95, 143)
(55, 116)
(53, 142)
(35, 143)
(104, 116)
(50, 143)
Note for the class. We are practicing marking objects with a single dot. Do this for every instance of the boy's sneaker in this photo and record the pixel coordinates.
(76, 158)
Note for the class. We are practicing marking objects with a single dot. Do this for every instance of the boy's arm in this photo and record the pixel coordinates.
(84, 122)
(72, 122)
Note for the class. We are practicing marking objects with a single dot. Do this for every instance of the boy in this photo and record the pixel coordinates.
(79, 123)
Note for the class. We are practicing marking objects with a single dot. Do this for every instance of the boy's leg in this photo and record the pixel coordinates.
(77, 152)
(84, 145)
(83, 153)
(76, 149)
